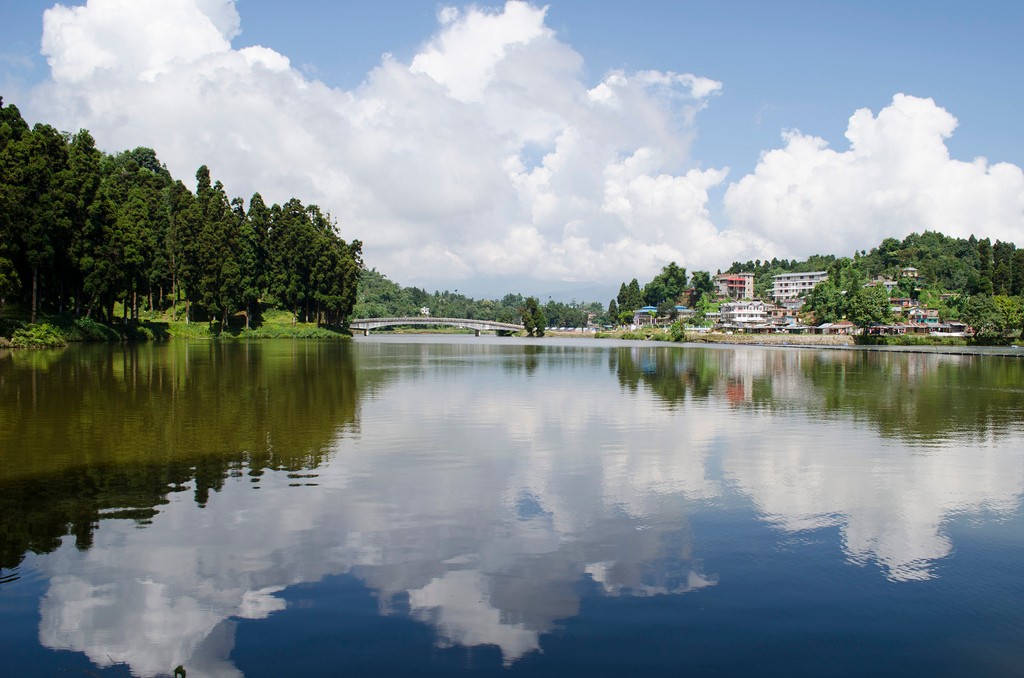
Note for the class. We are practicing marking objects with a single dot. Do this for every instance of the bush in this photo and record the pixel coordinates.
(138, 333)
(42, 335)
(87, 329)
(907, 340)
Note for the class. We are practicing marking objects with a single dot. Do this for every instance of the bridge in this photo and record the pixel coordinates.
(478, 326)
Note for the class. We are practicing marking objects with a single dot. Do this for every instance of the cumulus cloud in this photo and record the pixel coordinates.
(487, 154)
(897, 177)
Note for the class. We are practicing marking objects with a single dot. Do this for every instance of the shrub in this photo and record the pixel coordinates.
(42, 335)
(87, 329)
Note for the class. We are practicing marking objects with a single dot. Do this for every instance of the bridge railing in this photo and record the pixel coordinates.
(366, 324)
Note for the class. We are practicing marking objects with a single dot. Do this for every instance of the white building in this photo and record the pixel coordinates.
(787, 286)
(744, 312)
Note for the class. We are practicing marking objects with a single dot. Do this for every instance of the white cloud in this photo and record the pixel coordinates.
(487, 154)
(897, 177)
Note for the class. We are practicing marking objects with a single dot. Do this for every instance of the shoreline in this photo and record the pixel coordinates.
(819, 341)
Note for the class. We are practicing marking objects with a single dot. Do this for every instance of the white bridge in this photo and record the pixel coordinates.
(478, 326)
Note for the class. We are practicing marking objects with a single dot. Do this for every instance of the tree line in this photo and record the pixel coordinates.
(81, 230)
(380, 297)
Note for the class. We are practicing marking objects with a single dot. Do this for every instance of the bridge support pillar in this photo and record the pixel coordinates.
(366, 332)
(477, 332)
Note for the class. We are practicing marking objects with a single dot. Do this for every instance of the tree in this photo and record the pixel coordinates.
(37, 162)
(701, 309)
(86, 178)
(613, 312)
(985, 271)
(668, 285)
(983, 315)
(533, 318)
(667, 309)
(291, 239)
(702, 283)
(869, 306)
(12, 129)
(220, 242)
(1017, 287)
(826, 301)
(630, 297)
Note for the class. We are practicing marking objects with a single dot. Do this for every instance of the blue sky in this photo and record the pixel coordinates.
(672, 168)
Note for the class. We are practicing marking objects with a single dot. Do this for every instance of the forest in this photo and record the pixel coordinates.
(86, 233)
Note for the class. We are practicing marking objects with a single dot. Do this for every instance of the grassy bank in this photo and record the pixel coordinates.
(53, 330)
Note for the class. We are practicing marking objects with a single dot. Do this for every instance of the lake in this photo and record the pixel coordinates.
(459, 505)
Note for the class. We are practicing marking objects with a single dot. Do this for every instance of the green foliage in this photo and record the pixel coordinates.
(630, 298)
(907, 340)
(701, 309)
(613, 312)
(703, 284)
(88, 231)
(641, 334)
(558, 314)
(668, 286)
(533, 318)
(42, 335)
(869, 306)
(993, 318)
(87, 329)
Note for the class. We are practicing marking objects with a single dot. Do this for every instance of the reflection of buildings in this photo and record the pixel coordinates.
(853, 438)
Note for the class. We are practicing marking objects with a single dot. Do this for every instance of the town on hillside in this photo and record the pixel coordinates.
(739, 310)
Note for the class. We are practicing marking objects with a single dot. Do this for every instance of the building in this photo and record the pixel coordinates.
(744, 312)
(787, 286)
(910, 272)
(735, 285)
(648, 315)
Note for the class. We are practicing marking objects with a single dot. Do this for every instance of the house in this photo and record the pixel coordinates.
(788, 286)
(647, 315)
(929, 316)
(909, 272)
(841, 327)
(883, 281)
(744, 312)
(735, 285)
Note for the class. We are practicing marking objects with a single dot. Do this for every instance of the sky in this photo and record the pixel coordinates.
(559, 149)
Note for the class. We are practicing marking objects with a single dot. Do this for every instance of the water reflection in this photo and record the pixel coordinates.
(105, 432)
(946, 440)
(474, 487)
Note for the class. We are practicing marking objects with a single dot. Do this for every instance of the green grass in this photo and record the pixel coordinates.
(909, 340)
(59, 329)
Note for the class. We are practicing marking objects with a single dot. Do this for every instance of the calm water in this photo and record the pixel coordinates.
(460, 505)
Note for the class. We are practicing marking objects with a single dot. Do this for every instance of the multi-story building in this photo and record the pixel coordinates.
(735, 285)
(744, 312)
(786, 286)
